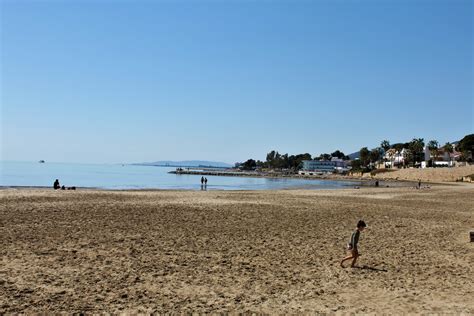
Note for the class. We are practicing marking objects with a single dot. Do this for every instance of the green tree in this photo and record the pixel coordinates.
(364, 156)
(466, 146)
(297, 164)
(277, 162)
(283, 162)
(274, 159)
(385, 144)
(407, 156)
(270, 158)
(338, 154)
(375, 154)
(250, 164)
(448, 148)
(356, 165)
(433, 147)
(324, 157)
(416, 147)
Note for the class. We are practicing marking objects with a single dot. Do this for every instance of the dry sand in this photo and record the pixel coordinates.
(268, 252)
(428, 174)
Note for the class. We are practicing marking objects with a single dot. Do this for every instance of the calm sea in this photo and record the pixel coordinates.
(115, 176)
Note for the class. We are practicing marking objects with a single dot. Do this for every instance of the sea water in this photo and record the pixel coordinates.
(118, 176)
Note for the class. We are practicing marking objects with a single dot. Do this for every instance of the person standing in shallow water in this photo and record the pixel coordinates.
(202, 180)
(205, 182)
(353, 243)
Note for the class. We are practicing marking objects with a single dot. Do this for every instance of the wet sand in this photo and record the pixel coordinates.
(226, 251)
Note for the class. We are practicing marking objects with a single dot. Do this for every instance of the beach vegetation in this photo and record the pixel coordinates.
(385, 145)
(401, 155)
(324, 157)
(433, 147)
(364, 156)
(416, 147)
(250, 164)
(275, 160)
(466, 147)
(375, 155)
(449, 149)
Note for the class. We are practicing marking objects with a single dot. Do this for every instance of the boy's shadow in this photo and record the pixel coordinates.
(371, 268)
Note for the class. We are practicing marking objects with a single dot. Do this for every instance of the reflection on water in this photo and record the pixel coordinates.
(109, 176)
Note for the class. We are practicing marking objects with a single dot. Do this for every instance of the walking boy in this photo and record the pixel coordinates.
(352, 246)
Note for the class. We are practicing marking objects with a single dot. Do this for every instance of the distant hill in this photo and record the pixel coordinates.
(355, 155)
(186, 163)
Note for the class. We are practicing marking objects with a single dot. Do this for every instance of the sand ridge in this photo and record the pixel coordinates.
(436, 175)
(219, 251)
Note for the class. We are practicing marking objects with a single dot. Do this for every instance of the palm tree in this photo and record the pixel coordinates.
(433, 147)
(391, 154)
(398, 148)
(448, 147)
(385, 144)
(416, 148)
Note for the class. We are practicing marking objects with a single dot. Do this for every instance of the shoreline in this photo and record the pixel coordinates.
(366, 183)
(366, 178)
(331, 177)
(269, 175)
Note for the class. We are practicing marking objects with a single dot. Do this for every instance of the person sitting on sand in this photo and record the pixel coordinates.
(352, 246)
(56, 185)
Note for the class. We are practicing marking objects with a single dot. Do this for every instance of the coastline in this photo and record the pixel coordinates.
(428, 175)
(269, 175)
(365, 183)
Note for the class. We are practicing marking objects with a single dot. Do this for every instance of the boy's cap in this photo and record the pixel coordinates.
(361, 223)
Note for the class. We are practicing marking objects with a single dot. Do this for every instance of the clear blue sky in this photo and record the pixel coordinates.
(133, 81)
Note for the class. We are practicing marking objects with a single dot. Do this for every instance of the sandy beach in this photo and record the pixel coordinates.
(226, 251)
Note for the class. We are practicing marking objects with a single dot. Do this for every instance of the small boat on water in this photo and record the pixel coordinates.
(41, 161)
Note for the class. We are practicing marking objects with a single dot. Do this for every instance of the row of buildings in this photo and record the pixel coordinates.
(391, 159)
(440, 158)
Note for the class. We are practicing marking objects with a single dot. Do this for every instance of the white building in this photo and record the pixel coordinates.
(442, 158)
(395, 158)
(311, 167)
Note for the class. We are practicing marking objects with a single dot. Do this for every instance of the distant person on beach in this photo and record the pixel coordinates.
(205, 181)
(352, 245)
(56, 185)
(202, 180)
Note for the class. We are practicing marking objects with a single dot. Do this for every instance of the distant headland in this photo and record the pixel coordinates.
(186, 164)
